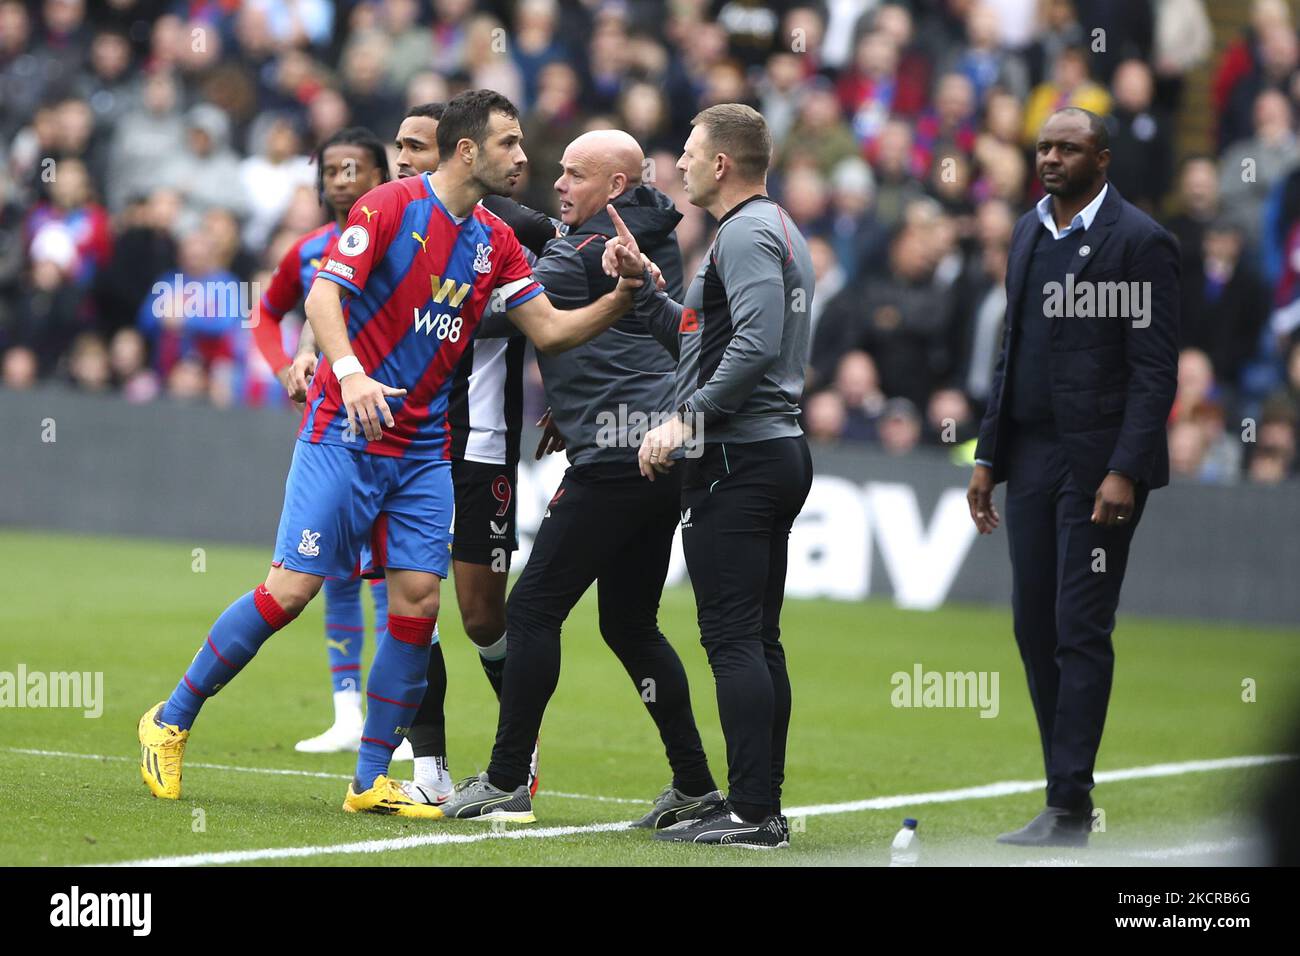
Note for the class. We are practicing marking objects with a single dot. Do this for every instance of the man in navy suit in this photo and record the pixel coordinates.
(1076, 427)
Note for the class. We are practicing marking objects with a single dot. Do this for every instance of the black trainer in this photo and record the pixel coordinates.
(724, 827)
(673, 806)
(476, 799)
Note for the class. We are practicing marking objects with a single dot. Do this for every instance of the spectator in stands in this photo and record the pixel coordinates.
(824, 416)
(269, 176)
(828, 37)
(873, 91)
(51, 310)
(982, 305)
(146, 140)
(752, 29)
(830, 277)
(1187, 448)
(296, 22)
(1141, 147)
(806, 196)
(195, 313)
(22, 78)
(1070, 85)
(187, 381)
(1059, 30)
(1198, 206)
(780, 93)
(143, 251)
(1183, 40)
(1128, 30)
(1272, 456)
(1241, 58)
(554, 124)
(1225, 305)
(204, 171)
(901, 320)
(951, 177)
(20, 368)
(851, 408)
(899, 427)
(128, 359)
(88, 367)
(915, 62)
(1252, 167)
(71, 206)
(107, 86)
(819, 132)
(897, 180)
(410, 45)
(327, 113)
(1195, 383)
(948, 418)
(366, 85)
(607, 56)
(1221, 463)
(536, 43)
(984, 62)
(1275, 58)
(644, 114)
(65, 40)
(859, 238)
(949, 125)
(1003, 117)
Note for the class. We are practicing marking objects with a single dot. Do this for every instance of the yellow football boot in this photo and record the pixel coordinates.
(387, 796)
(162, 748)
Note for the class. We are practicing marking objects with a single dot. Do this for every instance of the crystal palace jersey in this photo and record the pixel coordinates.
(293, 277)
(419, 281)
(289, 283)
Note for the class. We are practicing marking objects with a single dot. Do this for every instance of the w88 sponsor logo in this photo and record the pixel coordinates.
(445, 326)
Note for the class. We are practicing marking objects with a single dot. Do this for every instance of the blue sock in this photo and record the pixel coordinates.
(234, 639)
(379, 591)
(345, 631)
(393, 691)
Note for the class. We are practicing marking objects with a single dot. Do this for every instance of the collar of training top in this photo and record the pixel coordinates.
(742, 204)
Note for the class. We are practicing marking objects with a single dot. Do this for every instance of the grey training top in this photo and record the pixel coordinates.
(741, 335)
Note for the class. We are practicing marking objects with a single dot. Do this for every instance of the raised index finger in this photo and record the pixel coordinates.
(619, 225)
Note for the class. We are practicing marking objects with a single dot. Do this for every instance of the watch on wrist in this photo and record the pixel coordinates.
(686, 415)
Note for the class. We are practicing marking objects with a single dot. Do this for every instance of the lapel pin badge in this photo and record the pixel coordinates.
(1084, 250)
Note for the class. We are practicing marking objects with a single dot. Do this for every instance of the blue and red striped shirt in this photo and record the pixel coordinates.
(289, 283)
(420, 282)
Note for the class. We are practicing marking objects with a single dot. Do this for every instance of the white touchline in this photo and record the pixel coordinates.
(1158, 853)
(283, 773)
(1195, 849)
(1004, 788)
(1008, 787)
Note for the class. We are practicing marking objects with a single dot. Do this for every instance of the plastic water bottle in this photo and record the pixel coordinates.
(906, 848)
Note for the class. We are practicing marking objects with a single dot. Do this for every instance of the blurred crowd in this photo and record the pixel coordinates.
(156, 165)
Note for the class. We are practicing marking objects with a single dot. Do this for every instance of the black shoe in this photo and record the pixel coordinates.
(1053, 827)
(673, 806)
(724, 827)
(476, 799)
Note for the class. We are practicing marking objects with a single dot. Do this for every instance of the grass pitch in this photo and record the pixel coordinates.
(137, 610)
